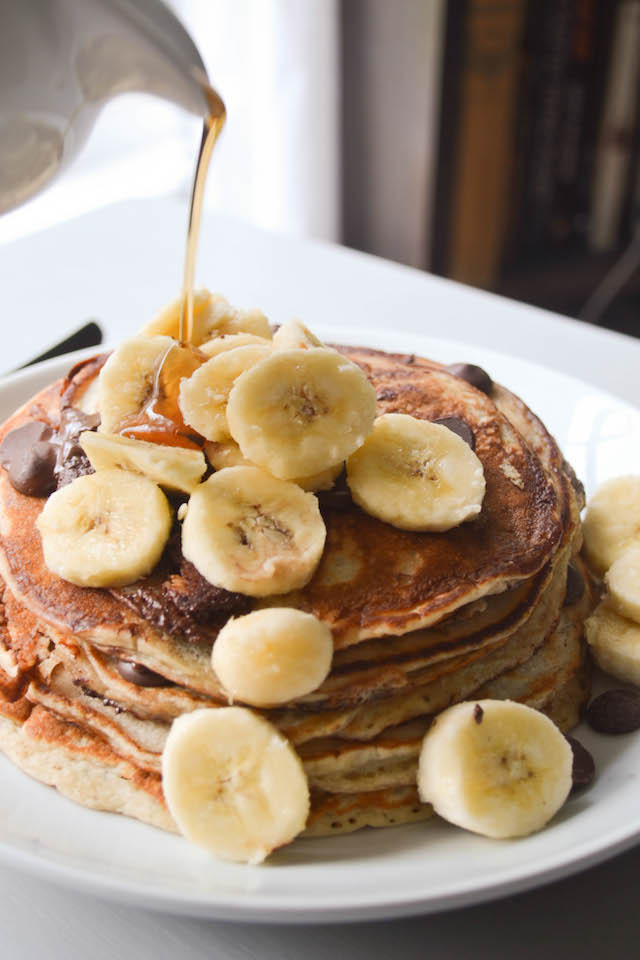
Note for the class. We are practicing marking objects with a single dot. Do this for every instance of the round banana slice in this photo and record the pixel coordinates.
(233, 784)
(614, 642)
(623, 581)
(300, 411)
(106, 529)
(227, 453)
(126, 381)
(612, 521)
(272, 656)
(416, 475)
(495, 767)
(249, 532)
(203, 397)
(230, 341)
(174, 468)
(213, 316)
(293, 335)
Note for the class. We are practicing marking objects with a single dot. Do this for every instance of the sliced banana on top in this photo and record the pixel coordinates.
(272, 656)
(246, 531)
(126, 382)
(614, 642)
(106, 529)
(233, 783)
(495, 767)
(213, 316)
(174, 468)
(227, 453)
(293, 335)
(229, 341)
(416, 475)
(203, 397)
(612, 521)
(300, 411)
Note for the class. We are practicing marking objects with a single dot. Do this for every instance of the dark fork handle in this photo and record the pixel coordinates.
(90, 335)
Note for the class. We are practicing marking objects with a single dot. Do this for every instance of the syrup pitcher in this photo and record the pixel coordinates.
(62, 60)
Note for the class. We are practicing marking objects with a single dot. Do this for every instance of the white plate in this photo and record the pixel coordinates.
(375, 873)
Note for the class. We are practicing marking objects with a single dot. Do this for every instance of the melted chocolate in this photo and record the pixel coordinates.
(178, 599)
(140, 675)
(71, 460)
(28, 453)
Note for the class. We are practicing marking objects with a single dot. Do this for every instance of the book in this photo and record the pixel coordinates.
(485, 144)
(615, 147)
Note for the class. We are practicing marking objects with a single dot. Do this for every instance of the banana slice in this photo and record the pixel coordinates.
(614, 642)
(272, 656)
(416, 475)
(623, 581)
(106, 529)
(495, 767)
(233, 784)
(300, 411)
(213, 316)
(230, 341)
(127, 378)
(323, 480)
(612, 521)
(174, 468)
(227, 453)
(246, 531)
(293, 335)
(203, 397)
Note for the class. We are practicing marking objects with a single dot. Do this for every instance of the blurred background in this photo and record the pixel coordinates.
(496, 142)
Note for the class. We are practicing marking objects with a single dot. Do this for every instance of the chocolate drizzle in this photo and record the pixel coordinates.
(178, 599)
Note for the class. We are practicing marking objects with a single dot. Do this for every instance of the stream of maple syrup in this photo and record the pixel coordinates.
(160, 419)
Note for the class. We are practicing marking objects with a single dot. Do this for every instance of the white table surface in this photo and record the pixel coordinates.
(120, 265)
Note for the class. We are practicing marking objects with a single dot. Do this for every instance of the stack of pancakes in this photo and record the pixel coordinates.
(91, 679)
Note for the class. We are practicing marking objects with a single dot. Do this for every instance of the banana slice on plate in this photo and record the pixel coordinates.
(174, 468)
(106, 529)
(247, 531)
(203, 396)
(623, 581)
(495, 767)
(293, 335)
(213, 316)
(230, 341)
(416, 475)
(300, 411)
(612, 521)
(127, 378)
(272, 656)
(614, 642)
(233, 784)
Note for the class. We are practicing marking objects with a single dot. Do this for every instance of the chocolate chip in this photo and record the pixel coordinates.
(583, 769)
(478, 713)
(474, 375)
(616, 711)
(29, 457)
(339, 500)
(460, 427)
(575, 586)
(140, 675)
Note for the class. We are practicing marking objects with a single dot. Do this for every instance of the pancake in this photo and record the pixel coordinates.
(419, 620)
